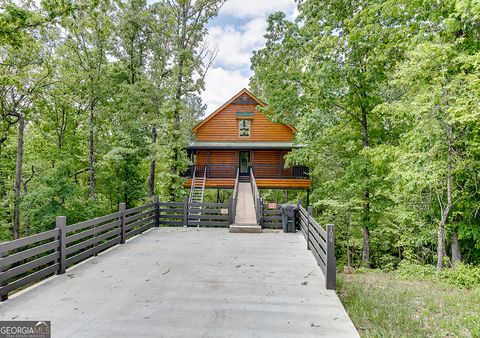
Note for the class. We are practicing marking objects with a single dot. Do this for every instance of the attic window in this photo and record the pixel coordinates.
(244, 127)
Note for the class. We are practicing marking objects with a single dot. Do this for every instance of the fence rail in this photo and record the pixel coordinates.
(27, 260)
(321, 242)
(272, 218)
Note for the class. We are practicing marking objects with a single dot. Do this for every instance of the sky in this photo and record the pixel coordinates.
(236, 32)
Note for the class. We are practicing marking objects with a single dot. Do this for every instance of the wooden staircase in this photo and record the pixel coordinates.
(197, 192)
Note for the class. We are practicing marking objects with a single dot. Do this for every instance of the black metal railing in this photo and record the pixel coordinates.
(279, 171)
(259, 170)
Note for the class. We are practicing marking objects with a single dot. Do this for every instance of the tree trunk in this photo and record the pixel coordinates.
(347, 235)
(151, 177)
(176, 113)
(179, 92)
(366, 205)
(446, 210)
(127, 175)
(18, 177)
(456, 253)
(366, 248)
(91, 147)
(440, 244)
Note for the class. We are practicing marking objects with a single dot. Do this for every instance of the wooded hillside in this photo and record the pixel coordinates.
(385, 95)
(97, 99)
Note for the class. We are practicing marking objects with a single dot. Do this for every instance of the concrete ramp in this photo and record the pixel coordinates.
(245, 217)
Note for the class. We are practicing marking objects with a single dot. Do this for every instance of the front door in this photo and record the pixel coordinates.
(244, 163)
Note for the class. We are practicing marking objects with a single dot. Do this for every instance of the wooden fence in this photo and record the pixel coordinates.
(272, 218)
(188, 214)
(321, 242)
(30, 259)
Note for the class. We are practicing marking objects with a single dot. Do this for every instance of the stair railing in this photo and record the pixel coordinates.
(257, 200)
(193, 184)
(235, 196)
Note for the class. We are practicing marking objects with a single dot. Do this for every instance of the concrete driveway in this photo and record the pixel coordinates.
(176, 282)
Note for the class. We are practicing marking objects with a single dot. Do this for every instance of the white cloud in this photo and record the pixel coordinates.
(235, 42)
(255, 8)
(221, 85)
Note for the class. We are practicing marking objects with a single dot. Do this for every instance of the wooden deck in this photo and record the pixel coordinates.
(262, 183)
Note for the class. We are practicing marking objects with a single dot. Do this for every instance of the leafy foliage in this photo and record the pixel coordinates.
(384, 96)
(104, 91)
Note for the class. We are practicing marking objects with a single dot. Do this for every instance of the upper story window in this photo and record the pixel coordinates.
(244, 127)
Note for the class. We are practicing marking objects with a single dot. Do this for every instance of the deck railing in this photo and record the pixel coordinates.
(260, 171)
(272, 217)
(279, 171)
(321, 242)
(27, 260)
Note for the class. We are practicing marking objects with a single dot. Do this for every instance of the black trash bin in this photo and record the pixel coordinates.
(288, 217)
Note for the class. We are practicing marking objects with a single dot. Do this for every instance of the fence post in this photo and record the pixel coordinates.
(310, 214)
(3, 282)
(156, 200)
(61, 225)
(298, 222)
(331, 261)
(185, 211)
(230, 210)
(261, 212)
(122, 207)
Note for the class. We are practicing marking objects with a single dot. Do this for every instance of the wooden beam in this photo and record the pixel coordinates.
(262, 183)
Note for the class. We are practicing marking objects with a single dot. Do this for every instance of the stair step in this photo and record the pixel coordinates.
(245, 228)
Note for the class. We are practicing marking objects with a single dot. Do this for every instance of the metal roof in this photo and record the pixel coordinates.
(243, 145)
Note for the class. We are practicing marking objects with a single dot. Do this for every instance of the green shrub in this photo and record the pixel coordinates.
(362, 270)
(388, 262)
(462, 275)
(410, 270)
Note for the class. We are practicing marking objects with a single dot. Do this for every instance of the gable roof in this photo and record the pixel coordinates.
(236, 96)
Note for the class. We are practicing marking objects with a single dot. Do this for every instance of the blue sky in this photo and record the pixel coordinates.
(236, 33)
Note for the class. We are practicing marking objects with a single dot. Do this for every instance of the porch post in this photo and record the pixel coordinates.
(280, 164)
(207, 169)
(253, 162)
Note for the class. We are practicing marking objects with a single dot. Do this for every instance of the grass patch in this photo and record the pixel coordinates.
(382, 305)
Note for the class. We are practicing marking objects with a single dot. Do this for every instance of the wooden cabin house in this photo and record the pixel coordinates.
(237, 137)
